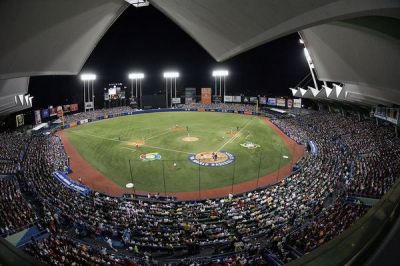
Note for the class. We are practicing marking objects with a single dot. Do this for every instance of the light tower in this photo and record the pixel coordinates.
(220, 74)
(88, 91)
(172, 76)
(137, 76)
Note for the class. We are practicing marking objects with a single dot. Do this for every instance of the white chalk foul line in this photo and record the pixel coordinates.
(154, 147)
(234, 136)
(157, 135)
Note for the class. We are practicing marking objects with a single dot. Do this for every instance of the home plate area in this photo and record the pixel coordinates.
(212, 159)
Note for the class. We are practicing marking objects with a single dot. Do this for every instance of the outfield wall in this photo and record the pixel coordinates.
(85, 121)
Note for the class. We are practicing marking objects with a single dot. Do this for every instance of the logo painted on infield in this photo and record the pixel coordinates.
(250, 145)
(150, 156)
(212, 159)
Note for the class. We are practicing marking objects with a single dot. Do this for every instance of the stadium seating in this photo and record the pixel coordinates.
(274, 224)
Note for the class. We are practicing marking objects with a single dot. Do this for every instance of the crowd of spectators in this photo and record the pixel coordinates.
(335, 218)
(93, 115)
(12, 145)
(12, 149)
(370, 151)
(15, 212)
(8, 167)
(59, 249)
(291, 214)
(221, 106)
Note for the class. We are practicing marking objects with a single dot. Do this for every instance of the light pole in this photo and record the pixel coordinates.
(137, 76)
(233, 175)
(259, 168)
(172, 76)
(88, 90)
(220, 74)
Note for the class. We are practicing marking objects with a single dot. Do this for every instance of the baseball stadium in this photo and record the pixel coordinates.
(154, 132)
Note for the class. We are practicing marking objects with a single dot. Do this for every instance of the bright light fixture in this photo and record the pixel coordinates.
(88, 77)
(307, 55)
(171, 74)
(138, 3)
(136, 75)
(301, 41)
(220, 73)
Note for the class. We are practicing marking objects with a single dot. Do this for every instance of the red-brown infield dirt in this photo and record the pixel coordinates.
(97, 181)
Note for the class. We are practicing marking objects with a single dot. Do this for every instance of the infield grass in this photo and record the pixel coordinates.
(108, 146)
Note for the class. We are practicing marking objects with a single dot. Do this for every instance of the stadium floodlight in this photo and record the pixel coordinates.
(88, 76)
(136, 75)
(220, 73)
(171, 74)
(88, 99)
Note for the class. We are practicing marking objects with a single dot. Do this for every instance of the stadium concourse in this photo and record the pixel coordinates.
(272, 225)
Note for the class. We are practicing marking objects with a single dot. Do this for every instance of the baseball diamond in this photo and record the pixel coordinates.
(109, 145)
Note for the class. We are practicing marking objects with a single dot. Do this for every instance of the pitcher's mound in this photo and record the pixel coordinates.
(137, 142)
(190, 139)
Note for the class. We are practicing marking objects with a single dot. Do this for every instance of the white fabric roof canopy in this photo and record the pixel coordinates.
(228, 27)
(365, 59)
(55, 37)
(51, 37)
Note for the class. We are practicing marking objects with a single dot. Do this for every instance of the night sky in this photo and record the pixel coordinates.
(145, 40)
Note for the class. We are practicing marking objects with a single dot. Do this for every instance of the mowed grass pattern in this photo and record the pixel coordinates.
(107, 145)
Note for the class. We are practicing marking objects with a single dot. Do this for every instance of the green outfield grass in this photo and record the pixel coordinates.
(108, 146)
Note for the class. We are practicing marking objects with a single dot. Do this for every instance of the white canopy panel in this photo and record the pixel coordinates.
(51, 37)
(354, 54)
(12, 93)
(228, 27)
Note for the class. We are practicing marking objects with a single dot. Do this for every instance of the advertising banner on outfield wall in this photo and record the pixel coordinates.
(253, 99)
(190, 95)
(228, 99)
(73, 107)
(176, 100)
(271, 101)
(206, 95)
(60, 111)
(281, 102)
(289, 103)
(88, 105)
(45, 113)
(297, 103)
(66, 108)
(52, 110)
(19, 120)
(237, 99)
(263, 100)
(38, 119)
